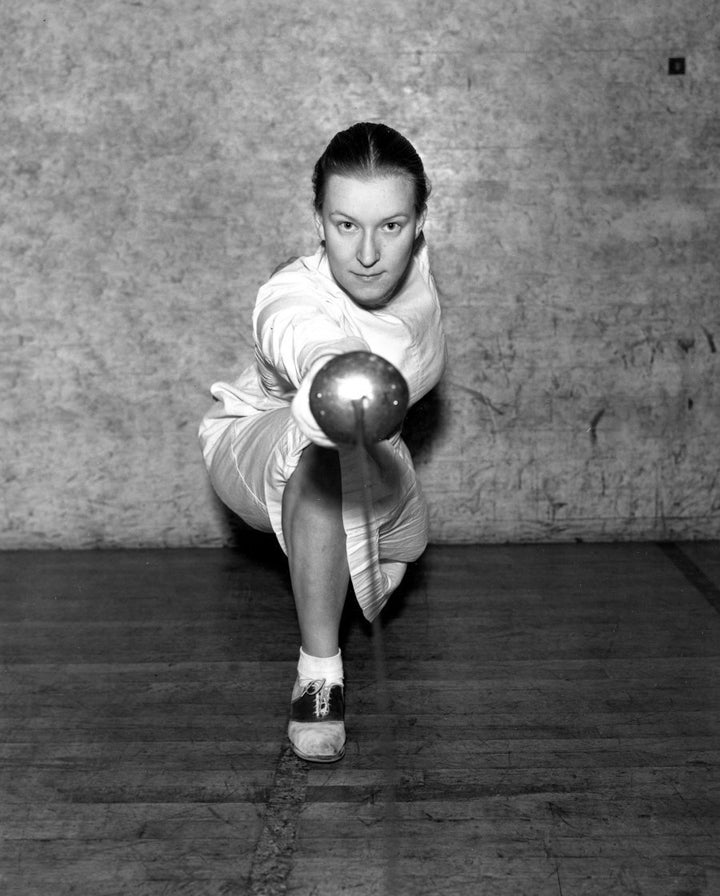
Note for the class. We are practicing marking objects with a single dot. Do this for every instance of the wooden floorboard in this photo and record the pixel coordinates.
(556, 727)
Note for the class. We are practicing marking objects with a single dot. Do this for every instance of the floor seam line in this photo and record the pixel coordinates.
(692, 572)
(272, 861)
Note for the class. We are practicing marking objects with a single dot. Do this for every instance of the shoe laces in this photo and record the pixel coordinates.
(321, 692)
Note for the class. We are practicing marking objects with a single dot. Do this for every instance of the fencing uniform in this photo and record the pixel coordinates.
(259, 424)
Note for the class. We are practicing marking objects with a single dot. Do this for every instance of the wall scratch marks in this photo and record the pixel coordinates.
(711, 341)
(592, 429)
(477, 394)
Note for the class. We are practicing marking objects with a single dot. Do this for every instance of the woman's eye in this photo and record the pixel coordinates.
(392, 226)
(347, 226)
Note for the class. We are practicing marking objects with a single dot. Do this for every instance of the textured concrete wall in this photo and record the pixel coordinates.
(155, 168)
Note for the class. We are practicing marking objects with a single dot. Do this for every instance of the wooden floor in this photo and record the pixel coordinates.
(557, 727)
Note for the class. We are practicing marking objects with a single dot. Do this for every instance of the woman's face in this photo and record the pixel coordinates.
(369, 227)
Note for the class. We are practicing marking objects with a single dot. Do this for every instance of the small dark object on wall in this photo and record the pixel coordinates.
(676, 65)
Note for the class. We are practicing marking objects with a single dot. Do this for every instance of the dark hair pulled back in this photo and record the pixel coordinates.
(366, 150)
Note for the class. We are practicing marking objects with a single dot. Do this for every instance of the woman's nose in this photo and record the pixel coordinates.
(368, 252)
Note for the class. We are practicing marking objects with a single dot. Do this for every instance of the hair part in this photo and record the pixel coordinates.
(368, 150)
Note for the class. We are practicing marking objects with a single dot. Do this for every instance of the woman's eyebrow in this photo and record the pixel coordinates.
(341, 214)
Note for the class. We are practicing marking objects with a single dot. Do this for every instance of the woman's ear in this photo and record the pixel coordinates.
(420, 223)
(319, 226)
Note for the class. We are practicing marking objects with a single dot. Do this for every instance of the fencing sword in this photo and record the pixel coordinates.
(360, 398)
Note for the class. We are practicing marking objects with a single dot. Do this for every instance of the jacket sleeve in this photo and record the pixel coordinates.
(295, 337)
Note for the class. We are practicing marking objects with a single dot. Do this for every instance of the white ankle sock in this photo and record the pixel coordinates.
(312, 668)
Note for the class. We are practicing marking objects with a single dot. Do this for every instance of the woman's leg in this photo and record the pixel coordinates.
(315, 540)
